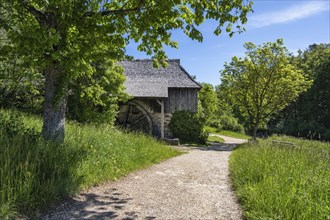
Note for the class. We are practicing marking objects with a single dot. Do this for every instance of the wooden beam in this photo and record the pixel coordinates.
(162, 117)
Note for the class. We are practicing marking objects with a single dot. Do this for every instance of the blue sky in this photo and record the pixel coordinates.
(299, 22)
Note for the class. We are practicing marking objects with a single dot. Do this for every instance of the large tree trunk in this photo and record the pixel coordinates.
(254, 133)
(255, 128)
(55, 104)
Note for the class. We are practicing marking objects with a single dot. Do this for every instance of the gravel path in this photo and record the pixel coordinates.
(230, 140)
(191, 186)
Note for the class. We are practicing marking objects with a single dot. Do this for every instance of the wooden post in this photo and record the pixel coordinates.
(162, 117)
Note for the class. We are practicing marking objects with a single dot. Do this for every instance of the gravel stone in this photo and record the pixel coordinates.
(194, 185)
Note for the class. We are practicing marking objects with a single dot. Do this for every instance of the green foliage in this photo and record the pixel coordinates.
(11, 126)
(188, 127)
(68, 37)
(208, 100)
(226, 107)
(73, 33)
(230, 123)
(226, 122)
(35, 174)
(309, 116)
(96, 99)
(19, 84)
(278, 181)
(215, 110)
(262, 83)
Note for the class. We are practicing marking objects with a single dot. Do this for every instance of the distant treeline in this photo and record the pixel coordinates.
(309, 116)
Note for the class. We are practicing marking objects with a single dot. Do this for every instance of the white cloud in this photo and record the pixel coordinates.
(289, 14)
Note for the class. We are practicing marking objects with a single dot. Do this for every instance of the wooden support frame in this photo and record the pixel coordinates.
(162, 117)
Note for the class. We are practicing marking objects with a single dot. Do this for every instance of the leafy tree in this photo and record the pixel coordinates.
(215, 110)
(224, 106)
(18, 84)
(309, 116)
(262, 83)
(64, 38)
(21, 86)
(227, 112)
(208, 99)
(107, 86)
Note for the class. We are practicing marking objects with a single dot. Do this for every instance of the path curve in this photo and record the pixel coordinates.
(194, 185)
(230, 140)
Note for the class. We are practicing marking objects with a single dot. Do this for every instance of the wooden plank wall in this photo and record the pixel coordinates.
(181, 99)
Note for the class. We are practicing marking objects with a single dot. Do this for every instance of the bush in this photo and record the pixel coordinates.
(230, 123)
(226, 122)
(11, 125)
(188, 127)
(215, 124)
(85, 111)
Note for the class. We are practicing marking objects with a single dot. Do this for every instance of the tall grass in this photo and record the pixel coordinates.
(280, 181)
(35, 173)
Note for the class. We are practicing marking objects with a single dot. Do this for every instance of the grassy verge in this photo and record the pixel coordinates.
(227, 133)
(35, 173)
(215, 139)
(279, 181)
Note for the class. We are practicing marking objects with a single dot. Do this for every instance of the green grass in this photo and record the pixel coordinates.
(215, 139)
(35, 173)
(278, 181)
(227, 133)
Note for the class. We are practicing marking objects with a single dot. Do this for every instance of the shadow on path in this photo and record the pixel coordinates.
(220, 147)
(95, 206)
(212, 147)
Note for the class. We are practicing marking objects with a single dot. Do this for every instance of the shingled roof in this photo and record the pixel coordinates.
(143, 80)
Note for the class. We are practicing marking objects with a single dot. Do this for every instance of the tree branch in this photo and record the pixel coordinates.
(266, 87)
(39, 15)
(120, 11)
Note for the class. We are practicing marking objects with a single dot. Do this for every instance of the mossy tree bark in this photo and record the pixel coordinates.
(55, 105)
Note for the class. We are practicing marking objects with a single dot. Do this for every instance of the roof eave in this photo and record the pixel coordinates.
(186, 72)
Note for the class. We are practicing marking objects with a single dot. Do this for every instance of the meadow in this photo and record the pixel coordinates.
(34, 173)
(282, 178)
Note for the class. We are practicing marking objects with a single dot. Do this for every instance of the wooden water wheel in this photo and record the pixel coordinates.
(133, 116)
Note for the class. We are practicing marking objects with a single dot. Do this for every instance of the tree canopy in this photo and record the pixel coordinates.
(17, 81)
(67, 38)
(208, 100)
(263, 82)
